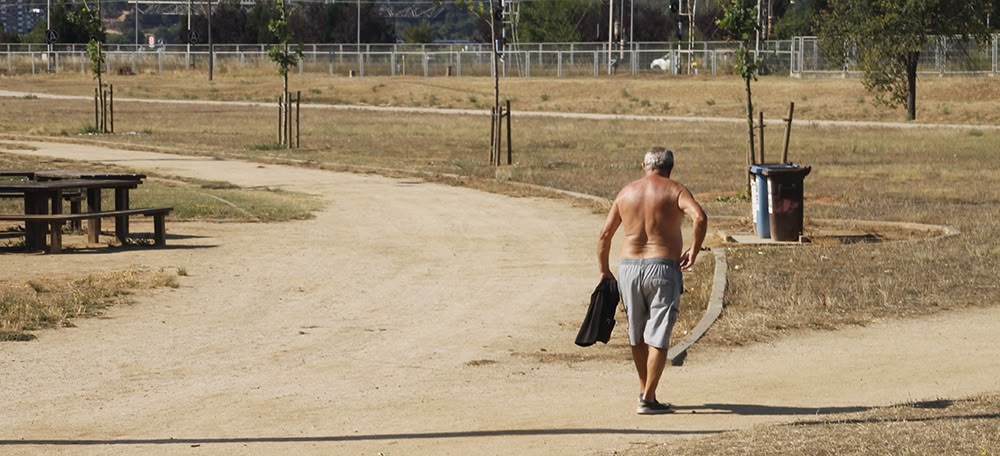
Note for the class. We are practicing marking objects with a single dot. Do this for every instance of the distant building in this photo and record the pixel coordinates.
(19, 16)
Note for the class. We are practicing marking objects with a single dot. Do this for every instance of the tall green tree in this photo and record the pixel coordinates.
(75, 23)
(553, 21)
(801, 18)
(890, 34)
(419, 33)
(8, 37)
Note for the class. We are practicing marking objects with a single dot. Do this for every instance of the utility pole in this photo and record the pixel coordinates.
(631, 22)
(48, 28)
(760, 13)
(611, 25)
(211, 45)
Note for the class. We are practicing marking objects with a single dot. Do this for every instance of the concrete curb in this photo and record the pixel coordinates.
(678, 353)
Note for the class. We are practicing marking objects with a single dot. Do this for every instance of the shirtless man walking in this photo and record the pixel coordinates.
(651, 210)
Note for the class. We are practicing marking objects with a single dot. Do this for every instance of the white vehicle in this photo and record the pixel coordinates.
(662, 64)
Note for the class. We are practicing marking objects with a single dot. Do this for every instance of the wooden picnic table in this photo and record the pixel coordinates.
(121, 197)
(59, 174)
(38, 194)
(17, 173)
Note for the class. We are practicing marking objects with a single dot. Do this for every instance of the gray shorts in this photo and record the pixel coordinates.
(651, 290)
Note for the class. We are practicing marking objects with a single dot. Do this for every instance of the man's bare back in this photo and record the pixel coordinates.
(651, 218)
(650, 211)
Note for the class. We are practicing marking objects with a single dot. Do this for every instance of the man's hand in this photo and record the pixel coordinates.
(687, 259)
(607, 275)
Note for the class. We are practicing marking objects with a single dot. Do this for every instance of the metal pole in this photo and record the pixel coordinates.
(137, 26)
(359, 25)
(211, 46)
(48, 26)
(611, 24)
(187, 55)
(631, 21)
(757, 43)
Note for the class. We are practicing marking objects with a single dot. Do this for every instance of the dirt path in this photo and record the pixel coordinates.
(543, 114)
(411, 318)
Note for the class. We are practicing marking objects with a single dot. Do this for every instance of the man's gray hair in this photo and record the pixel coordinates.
(659, 159)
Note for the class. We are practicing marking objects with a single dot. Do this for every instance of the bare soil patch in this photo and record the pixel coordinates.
(415, 318)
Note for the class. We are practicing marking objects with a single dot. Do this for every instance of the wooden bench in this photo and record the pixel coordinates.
(75, 199)
(56, 222)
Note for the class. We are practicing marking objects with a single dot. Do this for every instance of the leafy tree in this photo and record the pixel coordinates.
(553, 21)
(280, 53)
(739, 22)
(653, 22)
(420, 33)
(889, 36)
(229, 24)
(258, 18)
(74, 24)
(8, 37)
(800, 19)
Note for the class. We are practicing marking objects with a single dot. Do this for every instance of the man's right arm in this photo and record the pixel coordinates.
(611, 224)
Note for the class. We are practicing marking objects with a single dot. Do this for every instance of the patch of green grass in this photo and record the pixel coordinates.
(267, 146)
(226, 202)
(710, 102)
(30, 96)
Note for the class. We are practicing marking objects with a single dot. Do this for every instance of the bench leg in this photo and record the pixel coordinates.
(93, 205)
(159, 230)
(55, 228)
(74, 208)
(121, 221)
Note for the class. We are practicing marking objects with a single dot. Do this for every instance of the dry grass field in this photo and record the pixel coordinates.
(924, 175)
(942, 176)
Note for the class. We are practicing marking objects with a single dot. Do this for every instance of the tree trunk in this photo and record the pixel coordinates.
(911, 85)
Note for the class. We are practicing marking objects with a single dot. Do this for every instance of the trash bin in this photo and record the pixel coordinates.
(785, 201)
(759, 199)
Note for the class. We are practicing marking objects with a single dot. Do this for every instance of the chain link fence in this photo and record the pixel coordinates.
(798, 57)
